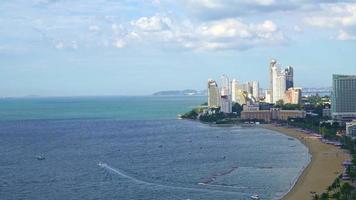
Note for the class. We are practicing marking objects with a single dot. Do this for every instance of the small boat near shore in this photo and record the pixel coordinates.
(40, 157)
(255, 196)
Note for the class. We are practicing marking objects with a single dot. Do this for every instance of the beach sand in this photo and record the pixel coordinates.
(325, 165)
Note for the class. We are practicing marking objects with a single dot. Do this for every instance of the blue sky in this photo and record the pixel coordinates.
(137, 47)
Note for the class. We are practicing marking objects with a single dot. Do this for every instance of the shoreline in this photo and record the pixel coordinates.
(324, 166)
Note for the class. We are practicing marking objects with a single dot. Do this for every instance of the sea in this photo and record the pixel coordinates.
(135, 148)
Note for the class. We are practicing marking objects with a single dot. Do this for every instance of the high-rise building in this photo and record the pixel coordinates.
(234, 90)
(256, 90)
(213, 94)
(225, 95)
(279, 85)
(293, 96)
(289, 77)
(280, 81)
(249, 88)
(272, 66)
(343, 101)
(268, 96)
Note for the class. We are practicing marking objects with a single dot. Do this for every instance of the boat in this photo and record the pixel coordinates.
(40, 157)
(255, 196)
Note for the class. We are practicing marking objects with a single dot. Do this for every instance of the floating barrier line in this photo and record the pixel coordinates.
(118, 172)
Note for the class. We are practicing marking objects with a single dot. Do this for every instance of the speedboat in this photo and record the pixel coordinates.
(255, 196)
(40, 157)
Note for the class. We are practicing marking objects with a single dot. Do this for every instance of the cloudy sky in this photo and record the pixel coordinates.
(134, 47)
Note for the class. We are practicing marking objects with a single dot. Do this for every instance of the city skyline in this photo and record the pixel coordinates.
(132, 47)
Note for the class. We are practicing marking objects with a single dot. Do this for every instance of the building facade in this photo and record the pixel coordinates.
(280, 81)
(234, 90)
(259, 115)
(256, 90)
(351, 129)
(225, 95)
(272, 67)
(343, 101)
(272, 114)
(268, 96)
(213, 94)
(293, 96)
(289, 77)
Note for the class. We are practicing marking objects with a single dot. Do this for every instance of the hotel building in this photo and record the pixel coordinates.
(343, 100)
(234, 90)
(272, 114)
(280, 81)
(225, 95)
(293, 96)
(256, 90)
(213, 94)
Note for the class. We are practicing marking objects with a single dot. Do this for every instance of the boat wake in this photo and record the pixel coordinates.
(212, 178)
(122, 174)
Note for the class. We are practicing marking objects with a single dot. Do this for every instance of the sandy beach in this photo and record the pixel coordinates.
(325, 165)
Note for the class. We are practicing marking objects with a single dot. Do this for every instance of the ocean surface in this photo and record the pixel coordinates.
(134, 148)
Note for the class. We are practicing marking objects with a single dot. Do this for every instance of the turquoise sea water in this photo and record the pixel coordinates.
(121, 108)
(135, 148)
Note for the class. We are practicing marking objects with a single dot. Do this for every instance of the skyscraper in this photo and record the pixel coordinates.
(289, 77)
(281, 86)
(256, 90)
(343, 101)
(268, 96)
(225, 95)
(280, 81)
(213, 94)
(272, 66)
(234, 90)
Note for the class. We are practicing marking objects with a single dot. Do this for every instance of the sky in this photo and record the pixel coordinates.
(137, 47)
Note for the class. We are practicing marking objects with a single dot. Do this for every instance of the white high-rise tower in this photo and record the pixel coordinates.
(213, 94)
(280, 81)
(255, 90)
(234, 90)
(225, 95)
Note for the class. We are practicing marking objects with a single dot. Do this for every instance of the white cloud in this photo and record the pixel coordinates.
(343, 35)
(62, 45)
(297, 28)
(206, 3)
(333, 15)
(94, 28)
(59, 45)
(119, 43)
(341, 17)
(154, 23)
(74, 44)
(263, 2)
(224, 28)
(229, 33)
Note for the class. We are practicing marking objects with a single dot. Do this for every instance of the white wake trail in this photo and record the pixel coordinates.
(112, 169)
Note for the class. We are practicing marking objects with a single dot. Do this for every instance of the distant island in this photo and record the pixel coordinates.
(187, 92)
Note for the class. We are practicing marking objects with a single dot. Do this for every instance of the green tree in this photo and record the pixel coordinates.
(346, 190)
(279, 103)
(289, 106)
(236, 107)
(324, 196)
